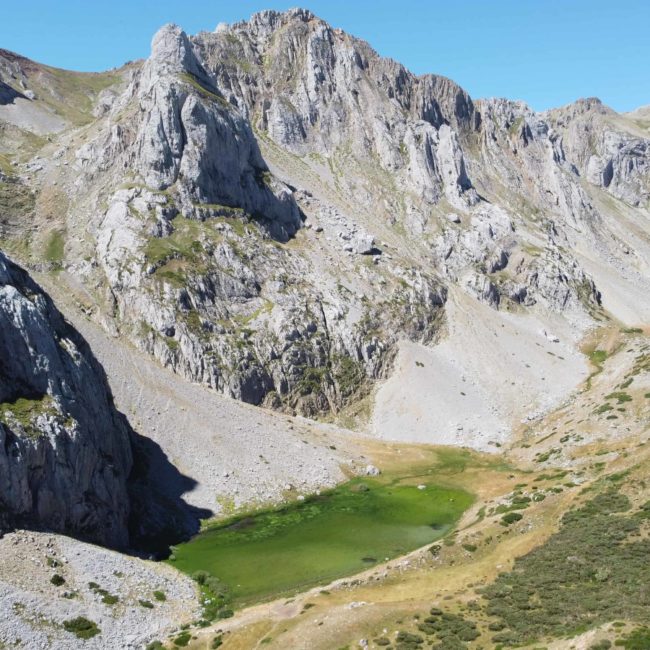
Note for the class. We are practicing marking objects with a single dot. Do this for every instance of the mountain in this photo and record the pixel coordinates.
(269, 208)
(282, 218)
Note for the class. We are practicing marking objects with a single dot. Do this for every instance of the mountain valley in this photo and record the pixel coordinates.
(269, 290)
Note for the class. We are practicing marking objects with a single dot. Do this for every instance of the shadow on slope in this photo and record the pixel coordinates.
(8, 94)
(71, 462)
(159, 516)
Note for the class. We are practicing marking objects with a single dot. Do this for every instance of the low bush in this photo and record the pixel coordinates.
(182, 640)
(510, 518)
(592, 571)
(81, 627)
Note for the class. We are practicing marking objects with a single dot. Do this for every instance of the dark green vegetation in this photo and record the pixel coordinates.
(215, 596)
(638, 639)
(446, 631)
(328, 536)
(594, 570)
(155, 645)
(510, 518)
(107, 598)
(183, 639)
(452, 630)
(81, 627)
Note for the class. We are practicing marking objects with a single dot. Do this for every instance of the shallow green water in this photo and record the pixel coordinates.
(325, 537)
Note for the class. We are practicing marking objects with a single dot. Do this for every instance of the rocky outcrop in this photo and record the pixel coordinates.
(316, 90)
(612, 156)
(65, 452)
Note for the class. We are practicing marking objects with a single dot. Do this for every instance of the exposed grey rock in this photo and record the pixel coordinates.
(65, 452)
(195, 178)
(364, 243)
(371, 470)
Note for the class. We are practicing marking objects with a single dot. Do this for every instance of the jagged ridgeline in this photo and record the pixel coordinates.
(268, 208)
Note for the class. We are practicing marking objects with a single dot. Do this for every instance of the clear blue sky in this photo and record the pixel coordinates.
(546, 52)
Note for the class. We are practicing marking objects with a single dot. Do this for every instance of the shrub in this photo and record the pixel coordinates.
(57, 580)
(510, 518)
(160, 595)
(81, 627)
(200, 576)
(605, 644)
(147, 604)
(408, 637)
(638, 639)
(592, 571)
(183, 639)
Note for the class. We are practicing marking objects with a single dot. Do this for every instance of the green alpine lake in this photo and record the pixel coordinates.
(337, 533)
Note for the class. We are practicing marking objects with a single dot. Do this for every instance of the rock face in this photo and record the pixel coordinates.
(268, 208)
(65, 452)
(191, 250)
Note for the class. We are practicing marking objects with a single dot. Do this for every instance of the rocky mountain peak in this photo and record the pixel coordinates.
(172, 51)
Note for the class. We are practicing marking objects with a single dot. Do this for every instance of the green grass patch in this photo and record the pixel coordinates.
(24, 412)
(183, 242)
(325, 537)
(54, 249)
(597, 357)
(206, 93)
(5, 165)
(72, 94)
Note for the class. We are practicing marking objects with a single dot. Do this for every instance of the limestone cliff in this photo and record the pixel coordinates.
(65, 453)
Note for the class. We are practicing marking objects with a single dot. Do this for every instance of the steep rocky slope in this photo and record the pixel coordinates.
(269, 208)
(65, 452)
